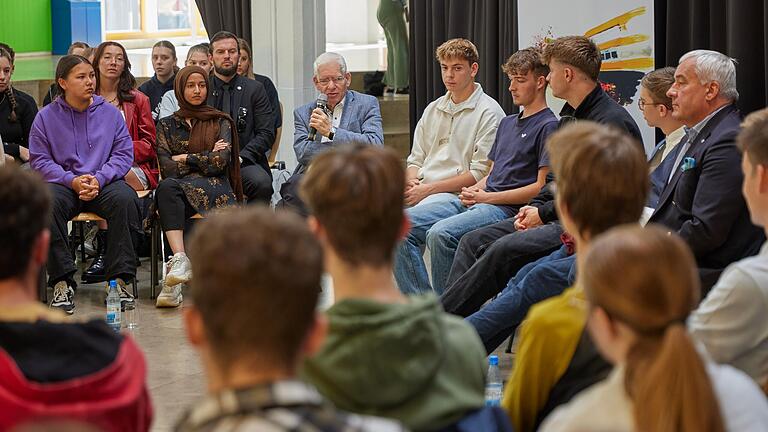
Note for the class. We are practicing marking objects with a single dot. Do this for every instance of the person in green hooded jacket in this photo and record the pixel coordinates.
(385, 354)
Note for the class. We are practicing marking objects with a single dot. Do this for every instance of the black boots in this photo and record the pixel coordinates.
(97, 272)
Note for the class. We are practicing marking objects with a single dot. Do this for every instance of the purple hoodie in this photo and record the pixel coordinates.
(65, 143)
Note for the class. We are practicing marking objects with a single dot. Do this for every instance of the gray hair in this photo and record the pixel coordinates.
(715, 66)
(328, 57)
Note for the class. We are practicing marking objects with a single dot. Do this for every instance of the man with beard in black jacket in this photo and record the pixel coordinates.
(245, 100)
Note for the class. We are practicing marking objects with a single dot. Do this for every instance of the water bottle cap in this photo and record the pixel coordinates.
(493, 360)
(113, 283)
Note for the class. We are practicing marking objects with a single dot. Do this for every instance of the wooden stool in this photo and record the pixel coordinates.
(79, 220)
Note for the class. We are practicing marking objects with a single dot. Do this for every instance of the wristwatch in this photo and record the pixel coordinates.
(332, 133)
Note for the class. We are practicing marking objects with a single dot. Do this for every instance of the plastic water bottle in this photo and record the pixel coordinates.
(493, 385)
(113, 307)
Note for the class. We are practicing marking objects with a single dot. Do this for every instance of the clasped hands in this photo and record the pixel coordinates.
(415, 191)
(86, 186)
(472, 195)
(527, 217)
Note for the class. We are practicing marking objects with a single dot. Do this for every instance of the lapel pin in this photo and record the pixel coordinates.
(239, 88)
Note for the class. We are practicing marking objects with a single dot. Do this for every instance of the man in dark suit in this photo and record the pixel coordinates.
(246, 101)
(702, 201)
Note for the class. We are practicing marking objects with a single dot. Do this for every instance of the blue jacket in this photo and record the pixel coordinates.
(704, 205)
(360, 122)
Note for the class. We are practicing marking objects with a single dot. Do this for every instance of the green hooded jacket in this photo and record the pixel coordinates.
(412, 362)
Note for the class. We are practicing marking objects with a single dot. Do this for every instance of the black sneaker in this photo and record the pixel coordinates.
(63, 297)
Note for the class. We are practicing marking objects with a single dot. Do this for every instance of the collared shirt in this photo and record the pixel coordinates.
(218, 87)
(670, 142)
(338, 110)
(690, 136)
(289, 405)
(730, 320)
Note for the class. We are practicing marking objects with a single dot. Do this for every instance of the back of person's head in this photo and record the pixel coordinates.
(753, 142)
(647, 280)
(256, 285)
(355, 192)
(524, 61)
(24, 216)
(77, 45)
(577, 51)
(601, 176)
(458, 48)
(715, 66)
(753, 138)
(657, 83)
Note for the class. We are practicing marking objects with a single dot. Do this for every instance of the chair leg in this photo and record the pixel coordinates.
(153, 269)
(82, 242)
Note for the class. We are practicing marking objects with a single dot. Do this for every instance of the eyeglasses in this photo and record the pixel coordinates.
(642, 104)
(325, 81)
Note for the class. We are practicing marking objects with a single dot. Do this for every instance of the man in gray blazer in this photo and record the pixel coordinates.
(350, 117)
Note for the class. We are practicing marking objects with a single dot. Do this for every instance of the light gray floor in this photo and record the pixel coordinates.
(175, 375)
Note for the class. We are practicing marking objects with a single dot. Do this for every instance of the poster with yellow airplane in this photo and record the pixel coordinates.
(622, 29)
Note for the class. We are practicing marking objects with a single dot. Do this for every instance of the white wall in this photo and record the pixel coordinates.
(352, 21)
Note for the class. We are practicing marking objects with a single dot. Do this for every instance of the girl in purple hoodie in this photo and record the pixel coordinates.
(81, 147)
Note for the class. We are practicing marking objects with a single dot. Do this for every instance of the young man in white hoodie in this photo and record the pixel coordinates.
(451, 155)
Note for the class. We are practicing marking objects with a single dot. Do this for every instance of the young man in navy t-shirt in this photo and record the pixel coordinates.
(519, 169)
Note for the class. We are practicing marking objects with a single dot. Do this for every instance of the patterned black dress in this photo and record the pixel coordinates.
(204, 176)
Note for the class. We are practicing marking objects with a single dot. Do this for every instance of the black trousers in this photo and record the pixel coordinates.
(172, 205)
(289, 192)
(257, 184)
(487, 258)
(118, 204)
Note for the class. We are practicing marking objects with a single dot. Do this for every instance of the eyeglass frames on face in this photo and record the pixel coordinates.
(326, 81)
(642, 104)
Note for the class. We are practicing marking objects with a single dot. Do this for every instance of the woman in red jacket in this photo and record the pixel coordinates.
(116, 84)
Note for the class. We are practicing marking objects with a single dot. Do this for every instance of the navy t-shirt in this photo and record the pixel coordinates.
(519, 152)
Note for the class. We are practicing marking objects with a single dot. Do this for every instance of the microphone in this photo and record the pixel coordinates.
(322, 103)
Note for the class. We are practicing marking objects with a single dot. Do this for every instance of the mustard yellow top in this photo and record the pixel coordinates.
(546, 343)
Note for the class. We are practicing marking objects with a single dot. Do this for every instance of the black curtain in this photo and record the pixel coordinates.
(230, 15)
(490, 24)
(738, 28)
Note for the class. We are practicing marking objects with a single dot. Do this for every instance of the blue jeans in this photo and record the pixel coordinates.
(547, 277)
(438, 224)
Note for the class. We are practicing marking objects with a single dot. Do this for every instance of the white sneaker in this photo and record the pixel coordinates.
(179, 270)
(170, 296)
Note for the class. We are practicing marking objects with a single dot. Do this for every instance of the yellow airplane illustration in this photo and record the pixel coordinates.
(619, 21)
(623, 63)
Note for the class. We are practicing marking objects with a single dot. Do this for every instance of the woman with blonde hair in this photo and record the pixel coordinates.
(641, 285)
